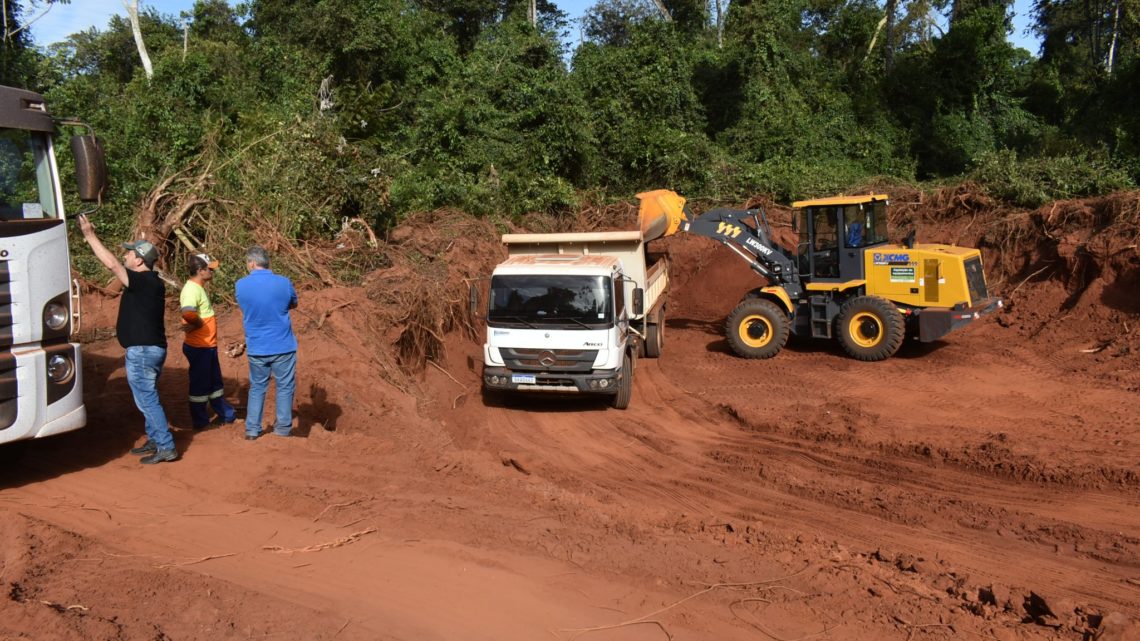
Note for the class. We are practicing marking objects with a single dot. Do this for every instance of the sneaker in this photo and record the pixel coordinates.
(160, 456)
(252, 437)
(144, 449)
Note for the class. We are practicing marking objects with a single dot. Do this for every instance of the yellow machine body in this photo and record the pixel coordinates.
(926, 275)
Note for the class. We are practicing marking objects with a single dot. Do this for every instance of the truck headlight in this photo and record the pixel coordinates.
(59, 368)
(55, 316)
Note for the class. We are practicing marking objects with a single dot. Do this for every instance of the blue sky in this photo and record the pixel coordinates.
(66, 19)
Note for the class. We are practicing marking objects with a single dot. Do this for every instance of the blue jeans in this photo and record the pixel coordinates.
(283, 368)
(144, 366)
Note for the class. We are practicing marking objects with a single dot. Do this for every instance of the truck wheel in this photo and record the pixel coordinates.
(655, 336)
(870, 328)
(757, 328)
(625, 386)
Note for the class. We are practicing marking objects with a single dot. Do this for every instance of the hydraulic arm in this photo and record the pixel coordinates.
(664, 213)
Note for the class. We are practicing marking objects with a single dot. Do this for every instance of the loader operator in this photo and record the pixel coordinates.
(853, 221)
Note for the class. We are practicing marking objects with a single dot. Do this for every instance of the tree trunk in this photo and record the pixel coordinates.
(1115, 34)
(532, 13)
(133, 12)
(720, 24)
(889, 55)
(664, 12)
(875, 38)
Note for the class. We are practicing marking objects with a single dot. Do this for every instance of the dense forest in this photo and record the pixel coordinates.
(308, 112)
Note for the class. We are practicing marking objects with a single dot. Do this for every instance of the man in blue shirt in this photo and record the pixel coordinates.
(265, 299)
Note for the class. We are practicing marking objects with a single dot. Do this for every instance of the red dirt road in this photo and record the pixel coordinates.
(984, 487)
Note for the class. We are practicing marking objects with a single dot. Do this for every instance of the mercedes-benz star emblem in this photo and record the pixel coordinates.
(547, 358)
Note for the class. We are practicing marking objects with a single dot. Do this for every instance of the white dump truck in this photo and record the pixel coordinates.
(41, 370)
(571, 312)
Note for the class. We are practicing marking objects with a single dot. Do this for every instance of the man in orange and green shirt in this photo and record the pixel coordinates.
(201, 345)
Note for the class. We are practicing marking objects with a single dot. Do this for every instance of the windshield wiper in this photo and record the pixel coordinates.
(575, 320)
(518, 320)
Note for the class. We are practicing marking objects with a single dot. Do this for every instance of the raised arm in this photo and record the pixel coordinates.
(101, 252)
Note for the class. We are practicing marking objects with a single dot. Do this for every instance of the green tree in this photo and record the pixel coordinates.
(501, 133)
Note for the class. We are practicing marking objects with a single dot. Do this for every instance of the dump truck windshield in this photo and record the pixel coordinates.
(26, 190)
(546, 299)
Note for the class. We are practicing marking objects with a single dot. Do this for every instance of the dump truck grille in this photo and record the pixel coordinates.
(9, 390)
(976, 280)
(6, 329)
(549, 360)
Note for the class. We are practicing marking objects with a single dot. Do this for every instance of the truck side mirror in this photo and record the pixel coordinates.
(796, 221)
(90, 167)
(473, 301)
(638, 301)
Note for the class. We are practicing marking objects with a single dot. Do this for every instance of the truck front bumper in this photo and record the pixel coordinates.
(936, 322)
(594, 382)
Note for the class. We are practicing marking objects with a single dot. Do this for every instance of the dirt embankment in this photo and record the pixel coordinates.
(983, 486)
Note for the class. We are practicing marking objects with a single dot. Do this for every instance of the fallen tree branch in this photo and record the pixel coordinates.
(351, 538)
(348, 504)
(328, 312)
(195, 561)
(435, 365)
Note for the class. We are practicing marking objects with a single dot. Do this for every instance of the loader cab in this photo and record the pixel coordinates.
(834, 233)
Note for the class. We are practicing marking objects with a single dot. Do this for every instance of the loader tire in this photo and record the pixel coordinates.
(757, 328)
(655, 336)
(870, 328)
(625, 385)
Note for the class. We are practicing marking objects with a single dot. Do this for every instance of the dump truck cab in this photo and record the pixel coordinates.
(570, 313)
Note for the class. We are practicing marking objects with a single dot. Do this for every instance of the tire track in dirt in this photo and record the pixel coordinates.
(385, 587)
(789, 465)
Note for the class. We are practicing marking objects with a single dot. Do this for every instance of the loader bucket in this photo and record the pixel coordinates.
(661, 213)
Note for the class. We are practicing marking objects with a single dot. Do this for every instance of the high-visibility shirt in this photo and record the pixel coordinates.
(194, 299)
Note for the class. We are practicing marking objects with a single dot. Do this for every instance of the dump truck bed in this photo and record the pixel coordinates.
(649, 271)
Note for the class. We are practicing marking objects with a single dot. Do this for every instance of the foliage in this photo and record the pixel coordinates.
(299, 114)
(499, 134)
(1036, 181)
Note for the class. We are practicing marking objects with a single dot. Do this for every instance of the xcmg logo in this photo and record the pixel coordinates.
(888, 259)
(728, 230)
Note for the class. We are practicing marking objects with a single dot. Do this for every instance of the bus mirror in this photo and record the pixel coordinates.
(473, 301)
(638, 301)
(90, 167)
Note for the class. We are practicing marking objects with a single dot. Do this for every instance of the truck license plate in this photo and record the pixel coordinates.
(523, 378)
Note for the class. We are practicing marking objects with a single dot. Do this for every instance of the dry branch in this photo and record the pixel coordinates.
(347, 504)
(194, 561)
(351, 538)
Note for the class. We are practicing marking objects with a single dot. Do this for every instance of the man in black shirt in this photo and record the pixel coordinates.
(142, 333)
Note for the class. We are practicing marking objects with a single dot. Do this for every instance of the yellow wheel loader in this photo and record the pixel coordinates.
(843, 280)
